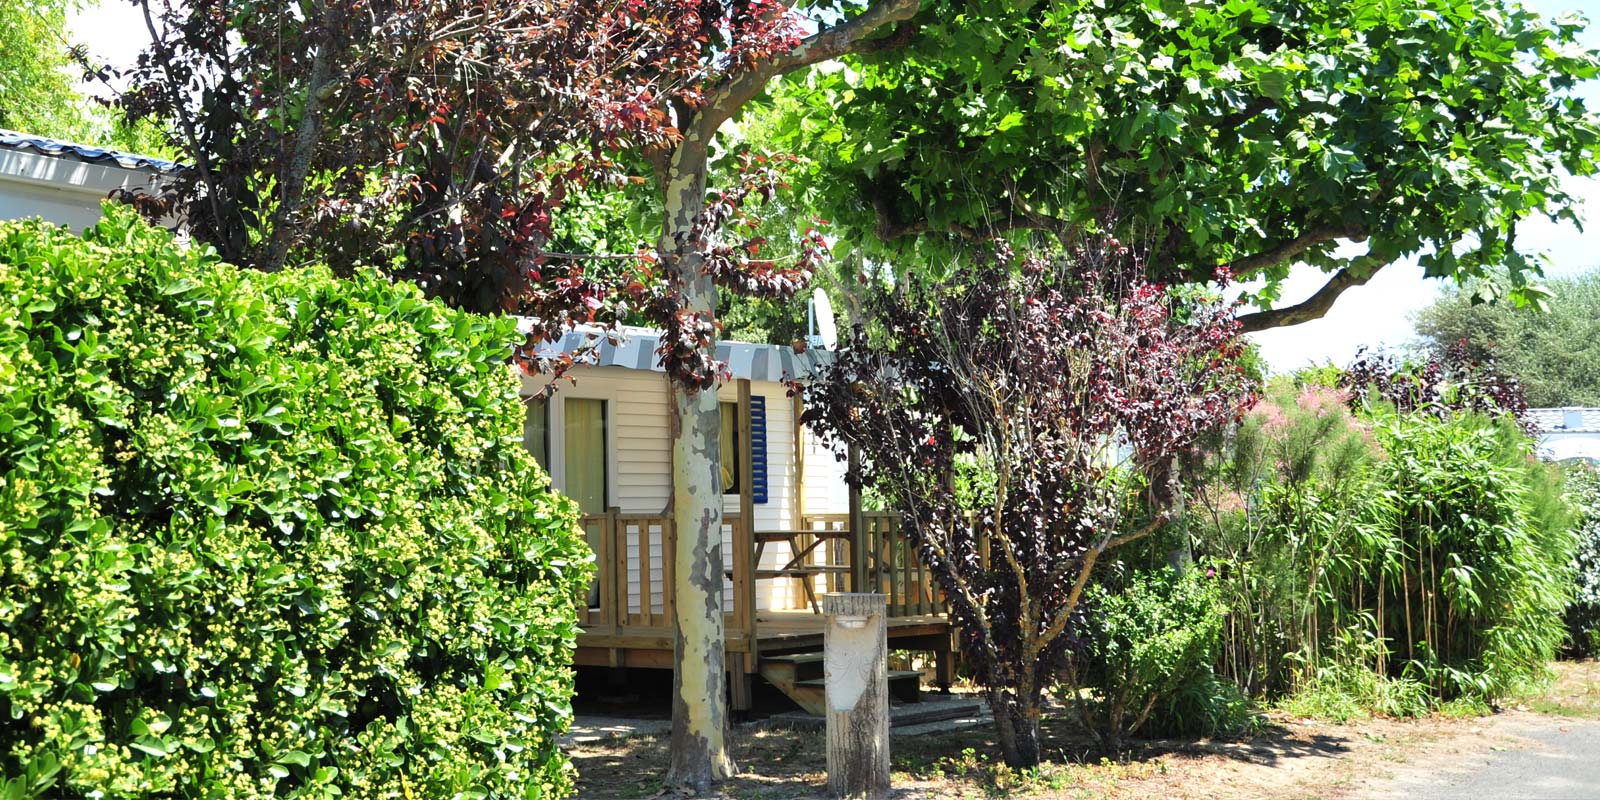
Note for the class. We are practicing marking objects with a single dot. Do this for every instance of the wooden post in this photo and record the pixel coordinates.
(858, 528)
(944, 668)
(619, 559)
(856, 693)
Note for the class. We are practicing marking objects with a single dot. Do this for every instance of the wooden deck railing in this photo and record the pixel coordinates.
(633, 591)
(893, 568)
(633, 588)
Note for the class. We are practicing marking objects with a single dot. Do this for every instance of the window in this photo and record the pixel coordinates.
(583, 469)
(730, 447)
(536, 430)
(733, 450)
(568, 437)
(584, 457)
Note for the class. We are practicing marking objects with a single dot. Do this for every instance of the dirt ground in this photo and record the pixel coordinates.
(1292, 759)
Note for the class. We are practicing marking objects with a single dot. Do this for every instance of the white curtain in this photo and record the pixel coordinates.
(584, 461)
(585, 456)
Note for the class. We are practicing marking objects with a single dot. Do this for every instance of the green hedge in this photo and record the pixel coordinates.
(267, 535)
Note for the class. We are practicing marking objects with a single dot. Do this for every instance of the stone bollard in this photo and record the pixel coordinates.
(856, 669)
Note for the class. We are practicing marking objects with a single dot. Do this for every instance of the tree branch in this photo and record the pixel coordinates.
(1323, 233)
(1240, 117)
(292, 178)
(888, 228)
(1314, 307)
(847, 36)
(828, 43)
(898, 38)
(186, 121)
(1059, 625)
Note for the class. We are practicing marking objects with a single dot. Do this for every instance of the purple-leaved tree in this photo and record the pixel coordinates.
(1067, 384)
(1442, 384)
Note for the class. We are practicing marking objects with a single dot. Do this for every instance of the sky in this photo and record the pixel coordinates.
(113, 30)
(1375, 315)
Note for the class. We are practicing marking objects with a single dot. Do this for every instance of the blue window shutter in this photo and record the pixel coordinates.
(758, 448)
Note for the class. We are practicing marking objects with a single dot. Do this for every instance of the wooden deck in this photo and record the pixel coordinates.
(778, 633)
(631, 624)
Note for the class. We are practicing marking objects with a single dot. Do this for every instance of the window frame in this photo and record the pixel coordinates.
(731, 488)
(529, 403)
(556, 436)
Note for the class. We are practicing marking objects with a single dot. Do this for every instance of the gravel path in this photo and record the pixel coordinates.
(1530, 758)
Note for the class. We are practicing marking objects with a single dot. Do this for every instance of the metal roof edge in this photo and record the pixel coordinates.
(634, 348)
(57, 148)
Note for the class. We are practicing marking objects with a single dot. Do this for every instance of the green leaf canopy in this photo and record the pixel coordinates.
(1251, 134)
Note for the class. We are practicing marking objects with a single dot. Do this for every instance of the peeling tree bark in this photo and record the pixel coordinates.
(699, 754)
(699, 683)
(699, 703)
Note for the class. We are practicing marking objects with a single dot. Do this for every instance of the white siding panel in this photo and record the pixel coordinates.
(826, 491)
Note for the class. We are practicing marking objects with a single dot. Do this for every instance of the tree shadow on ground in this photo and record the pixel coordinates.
(783, 763)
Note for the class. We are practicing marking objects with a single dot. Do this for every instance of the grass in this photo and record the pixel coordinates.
(1356, 695)
(1343, 695)
(980, 775)
(1574, 692)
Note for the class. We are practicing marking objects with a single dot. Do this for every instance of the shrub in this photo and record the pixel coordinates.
(1280, 516)
(1144, 644)
(1583, 615)
(1424, 552)
(267, 535)
(1448, 382)
(1205, 706)
(1475, 572)
(1016, 374)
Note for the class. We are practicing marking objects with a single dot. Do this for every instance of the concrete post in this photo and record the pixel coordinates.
(856, 670)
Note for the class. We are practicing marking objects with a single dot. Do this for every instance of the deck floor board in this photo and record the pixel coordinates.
(774, 630)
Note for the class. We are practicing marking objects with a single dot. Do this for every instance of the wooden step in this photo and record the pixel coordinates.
(787, 671)
(796, 658)
(799, 676)
(904, 685)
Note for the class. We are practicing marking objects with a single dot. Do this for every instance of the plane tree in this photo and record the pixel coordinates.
(440, 140)
(1255, 135)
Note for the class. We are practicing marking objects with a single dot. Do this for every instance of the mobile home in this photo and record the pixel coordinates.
(606, 439)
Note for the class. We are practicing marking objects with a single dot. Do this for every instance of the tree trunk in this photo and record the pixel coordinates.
(699, 685)
(1016, 723)
(292, 180)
